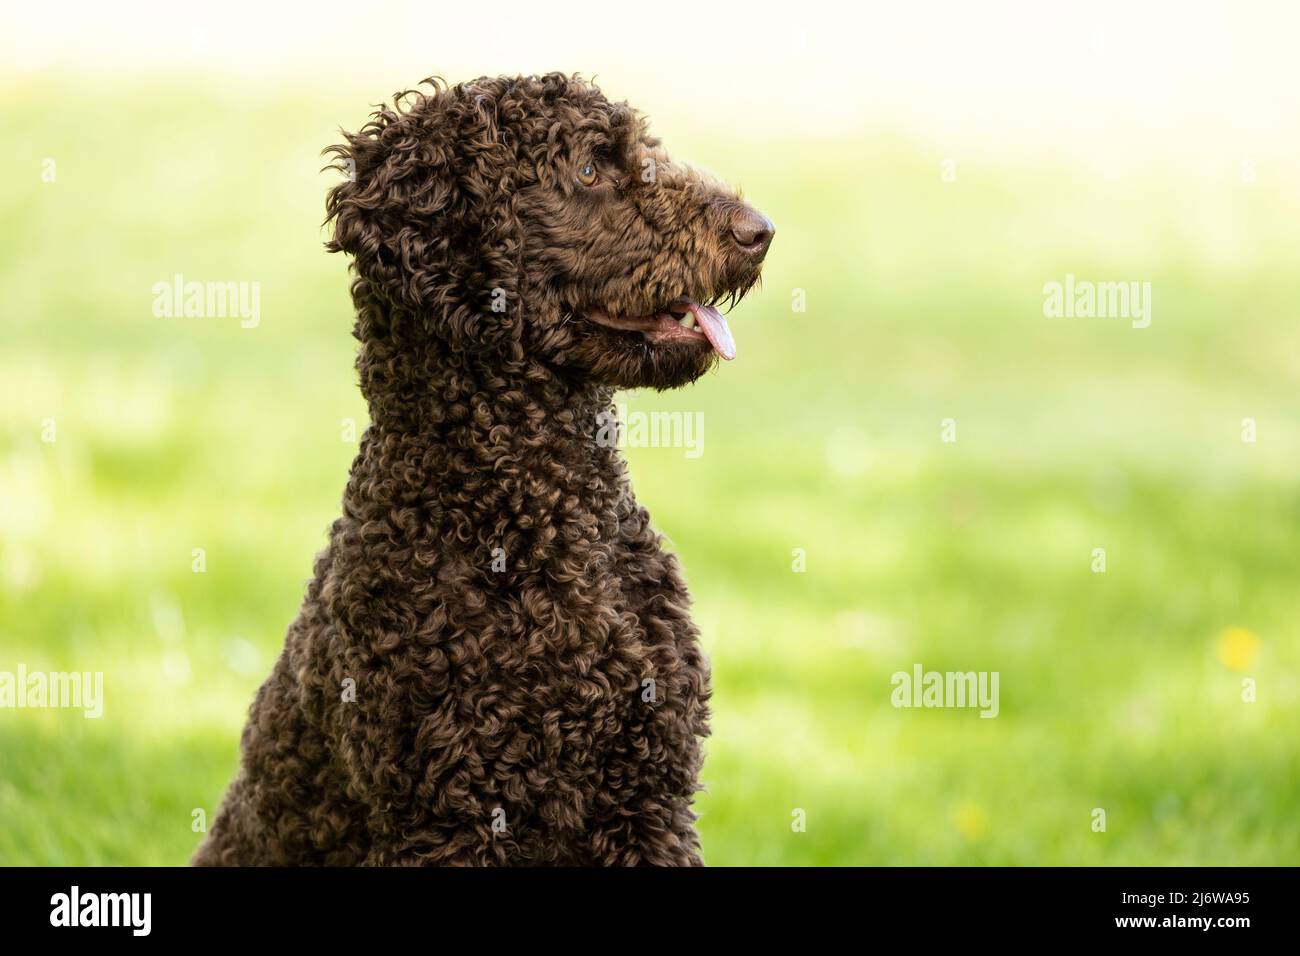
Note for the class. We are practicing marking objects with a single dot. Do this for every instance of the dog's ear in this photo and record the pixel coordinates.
(425, 211)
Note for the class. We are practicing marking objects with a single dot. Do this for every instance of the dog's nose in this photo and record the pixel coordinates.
(753, 232)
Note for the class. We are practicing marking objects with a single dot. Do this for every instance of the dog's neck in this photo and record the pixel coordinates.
(460, 404)
(463, 424)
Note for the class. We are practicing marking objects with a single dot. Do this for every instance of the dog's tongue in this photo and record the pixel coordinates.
(714, 326)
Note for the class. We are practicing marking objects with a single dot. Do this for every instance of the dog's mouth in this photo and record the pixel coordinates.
(682, 321)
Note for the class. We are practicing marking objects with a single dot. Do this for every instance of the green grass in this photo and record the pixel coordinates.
(924, 303)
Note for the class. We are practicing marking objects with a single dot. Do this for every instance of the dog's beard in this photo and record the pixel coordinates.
(630, 360)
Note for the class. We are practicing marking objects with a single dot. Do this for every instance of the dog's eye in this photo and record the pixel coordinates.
(587, 175)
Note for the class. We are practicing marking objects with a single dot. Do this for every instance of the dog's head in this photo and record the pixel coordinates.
(528, 218)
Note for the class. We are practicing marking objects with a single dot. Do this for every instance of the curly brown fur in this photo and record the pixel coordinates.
(500, 713)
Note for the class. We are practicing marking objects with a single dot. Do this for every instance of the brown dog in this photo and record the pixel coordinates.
(494, 663)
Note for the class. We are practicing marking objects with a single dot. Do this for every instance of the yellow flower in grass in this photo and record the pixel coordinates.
(971, 820)
(1237, 648)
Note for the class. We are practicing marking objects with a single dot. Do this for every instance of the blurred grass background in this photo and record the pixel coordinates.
(1119, 691)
